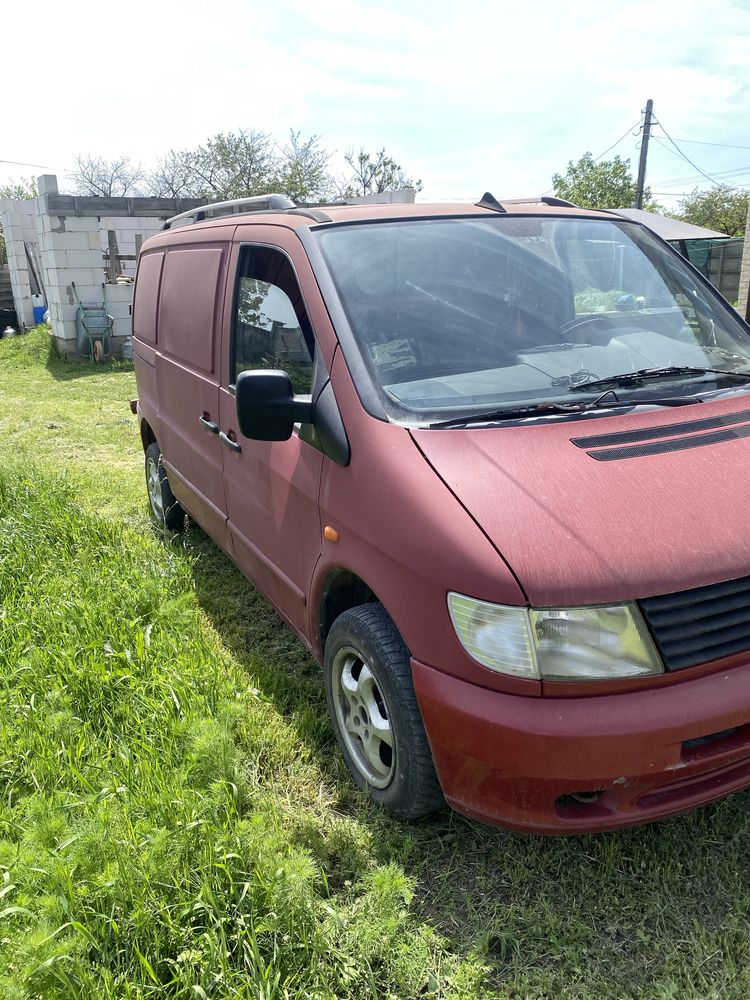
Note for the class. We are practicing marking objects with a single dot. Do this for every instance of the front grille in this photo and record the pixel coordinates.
(695, 626)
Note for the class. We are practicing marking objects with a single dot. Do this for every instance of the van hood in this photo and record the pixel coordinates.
(609, 508)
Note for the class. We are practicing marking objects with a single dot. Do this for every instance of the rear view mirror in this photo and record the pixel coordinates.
(267, 408)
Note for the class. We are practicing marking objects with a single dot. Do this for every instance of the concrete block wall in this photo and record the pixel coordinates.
(71, 235)
(18, 220)
(71, 252)
(126, 229)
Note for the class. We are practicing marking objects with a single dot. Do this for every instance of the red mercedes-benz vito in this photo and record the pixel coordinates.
(491, 463)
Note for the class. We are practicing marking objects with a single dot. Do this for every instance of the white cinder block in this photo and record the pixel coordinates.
(54, 258)
(72, 241)
(82, 224)
(81, 276)
(90, 295)
(84, 258)
(122, 326)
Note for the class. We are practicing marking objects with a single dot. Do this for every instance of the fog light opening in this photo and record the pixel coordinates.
(579, 798)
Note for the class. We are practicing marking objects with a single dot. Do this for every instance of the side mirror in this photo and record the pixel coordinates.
(267, 408)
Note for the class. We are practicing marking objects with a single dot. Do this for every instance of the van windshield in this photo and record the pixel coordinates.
(455, 315)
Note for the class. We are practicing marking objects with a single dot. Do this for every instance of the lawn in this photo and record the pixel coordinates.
(175, 820)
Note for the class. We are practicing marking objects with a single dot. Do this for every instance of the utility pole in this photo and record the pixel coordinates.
(644, 153)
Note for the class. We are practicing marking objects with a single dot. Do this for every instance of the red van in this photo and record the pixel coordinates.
(491, 463)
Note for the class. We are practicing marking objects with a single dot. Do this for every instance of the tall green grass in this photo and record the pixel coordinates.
(141, 842)
(175, 819)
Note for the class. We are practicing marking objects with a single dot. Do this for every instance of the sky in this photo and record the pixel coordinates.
(467, 95)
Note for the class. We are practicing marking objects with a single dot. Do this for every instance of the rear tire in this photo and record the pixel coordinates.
(375, 714)
(166, 512)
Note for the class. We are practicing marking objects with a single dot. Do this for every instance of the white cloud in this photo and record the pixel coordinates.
(466, 96)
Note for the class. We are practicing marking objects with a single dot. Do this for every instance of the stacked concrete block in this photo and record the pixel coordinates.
(18, 220)
(126, 229)
(68, 259)
(119, 298)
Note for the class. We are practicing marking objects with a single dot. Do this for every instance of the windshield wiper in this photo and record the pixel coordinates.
(551, 409)
(647, 374)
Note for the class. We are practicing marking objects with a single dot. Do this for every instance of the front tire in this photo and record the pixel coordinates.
(166, 512)
(375, 713)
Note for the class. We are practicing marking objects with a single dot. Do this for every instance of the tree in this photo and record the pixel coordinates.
(106, 178)
(303, 170)
(232, 165)
(174, 177)
(245, 163)
(21, 190)
(602, 184)
(374, 173)
(721, 207)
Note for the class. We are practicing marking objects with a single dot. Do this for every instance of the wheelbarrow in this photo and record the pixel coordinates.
(93, 327)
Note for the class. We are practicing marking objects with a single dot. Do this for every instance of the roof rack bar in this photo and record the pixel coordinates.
(541, 200)
(258, 203)
(557, 202)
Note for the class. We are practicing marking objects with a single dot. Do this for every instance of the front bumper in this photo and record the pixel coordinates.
(516, 761)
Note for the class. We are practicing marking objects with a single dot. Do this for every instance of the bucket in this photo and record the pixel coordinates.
(39, 312)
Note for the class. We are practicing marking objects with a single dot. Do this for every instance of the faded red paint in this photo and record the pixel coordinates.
(512, 515)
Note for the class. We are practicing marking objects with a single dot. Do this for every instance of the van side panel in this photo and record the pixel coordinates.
(145, 306)
(189, 320)
(188, 305)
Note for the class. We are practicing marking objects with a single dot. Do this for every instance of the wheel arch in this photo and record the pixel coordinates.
(147, 435)
(341, 590)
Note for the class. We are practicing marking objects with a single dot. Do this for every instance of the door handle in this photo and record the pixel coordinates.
(225, 439)
(209, 425)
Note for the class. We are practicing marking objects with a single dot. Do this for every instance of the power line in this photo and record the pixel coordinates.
(685, 156)
(715, 178)
(20, 163)
(721, 145)
(624, 136)
(728, 174)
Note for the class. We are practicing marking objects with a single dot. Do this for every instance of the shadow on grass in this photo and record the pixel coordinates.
(65, 369)
(26, 351)
(657, 910)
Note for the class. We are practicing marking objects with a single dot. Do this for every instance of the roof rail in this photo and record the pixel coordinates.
(258, 203)
(541, 200)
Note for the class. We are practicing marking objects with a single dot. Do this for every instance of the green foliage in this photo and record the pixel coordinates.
(246, 163)
(602, 184)
(24, 189)
(593, 300)
(722, 208)
(303, 172)
(241, 164)
(374, 173)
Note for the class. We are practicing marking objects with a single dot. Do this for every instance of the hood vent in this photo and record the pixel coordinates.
(667, 438)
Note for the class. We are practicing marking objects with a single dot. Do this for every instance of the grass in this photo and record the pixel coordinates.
(175, 820)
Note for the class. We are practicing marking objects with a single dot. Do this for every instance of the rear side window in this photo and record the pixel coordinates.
(187, 305)
(146, 297)
(271, 328)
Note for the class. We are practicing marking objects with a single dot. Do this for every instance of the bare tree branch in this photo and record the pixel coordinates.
(97, 176)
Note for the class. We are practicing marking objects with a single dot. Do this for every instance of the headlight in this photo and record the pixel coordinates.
(555, 643)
